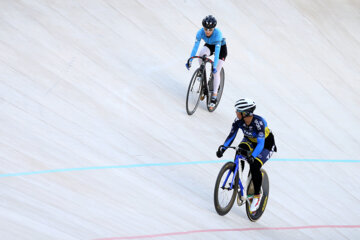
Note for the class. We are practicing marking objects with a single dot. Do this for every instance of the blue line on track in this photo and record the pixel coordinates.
(162, 164)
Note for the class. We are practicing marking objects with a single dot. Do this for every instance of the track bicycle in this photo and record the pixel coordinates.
(200, 88)
(229, 185)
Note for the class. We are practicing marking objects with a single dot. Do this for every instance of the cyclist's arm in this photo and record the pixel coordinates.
(259, 147)
(217, 53)
(260, 127)
(229, 140)
(197, 43)
(218, 39)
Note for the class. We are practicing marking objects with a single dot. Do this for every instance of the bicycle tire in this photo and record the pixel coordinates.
(265, 188)
(229, 166)
(190, 89)
(220, 90)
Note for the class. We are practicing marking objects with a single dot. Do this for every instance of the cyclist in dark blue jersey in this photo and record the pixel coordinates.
(214, 44)
(257, 138)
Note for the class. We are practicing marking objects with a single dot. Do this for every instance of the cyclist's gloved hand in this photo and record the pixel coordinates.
(188, 65)
(214, 71)
(220, 152)
(250, 159)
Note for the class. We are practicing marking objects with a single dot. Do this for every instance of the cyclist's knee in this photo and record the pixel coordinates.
(204, 51)
(256, 166)
(219, 66)
(245, 146)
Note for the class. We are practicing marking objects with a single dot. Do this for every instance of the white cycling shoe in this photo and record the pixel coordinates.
(212, 103)
(255, 204)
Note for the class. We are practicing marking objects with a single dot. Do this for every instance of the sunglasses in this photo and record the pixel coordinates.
(208, 29)
(244, 114)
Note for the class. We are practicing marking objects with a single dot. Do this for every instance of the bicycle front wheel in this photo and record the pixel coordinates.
(224, 194)
(194, 92)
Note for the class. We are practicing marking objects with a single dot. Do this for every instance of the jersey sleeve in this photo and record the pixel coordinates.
(197, 43)
(217, 48)
(234, 129)
(260, 131)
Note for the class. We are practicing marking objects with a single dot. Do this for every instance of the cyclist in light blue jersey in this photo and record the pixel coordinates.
(214, 44)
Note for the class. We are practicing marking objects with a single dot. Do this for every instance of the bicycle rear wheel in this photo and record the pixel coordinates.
(224, 195)
(220, 89)
(254, 216)
(193, 93)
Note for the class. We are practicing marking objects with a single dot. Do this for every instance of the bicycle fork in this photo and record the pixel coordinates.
(242, 190)
(232, 180)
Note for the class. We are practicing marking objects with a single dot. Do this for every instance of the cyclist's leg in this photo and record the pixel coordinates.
(217, 77)
(260, 160)
(256, 166)
(222, 57)
(256, 176)
(204, 51)
(246, 145)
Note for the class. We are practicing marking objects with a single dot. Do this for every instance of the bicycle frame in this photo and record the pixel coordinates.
(237, 159)
(205, 60)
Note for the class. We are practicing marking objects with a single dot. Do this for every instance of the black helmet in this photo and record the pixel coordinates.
(209, 22)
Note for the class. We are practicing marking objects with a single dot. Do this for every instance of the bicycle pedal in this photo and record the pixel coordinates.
(240, 200)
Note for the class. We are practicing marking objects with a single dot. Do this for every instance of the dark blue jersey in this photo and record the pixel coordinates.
(256, 132)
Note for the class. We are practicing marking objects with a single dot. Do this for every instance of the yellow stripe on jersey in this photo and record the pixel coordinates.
(267, 132)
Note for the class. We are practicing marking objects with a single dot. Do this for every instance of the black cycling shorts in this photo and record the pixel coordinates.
(223, 51)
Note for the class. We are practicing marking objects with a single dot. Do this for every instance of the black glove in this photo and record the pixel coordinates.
(220, 153)
(250, 159)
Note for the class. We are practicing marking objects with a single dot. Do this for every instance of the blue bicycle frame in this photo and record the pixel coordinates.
(238, 158)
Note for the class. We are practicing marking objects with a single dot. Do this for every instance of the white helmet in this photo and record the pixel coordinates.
(245, 105)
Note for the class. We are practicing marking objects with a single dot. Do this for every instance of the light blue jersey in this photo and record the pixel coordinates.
(216, 39)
